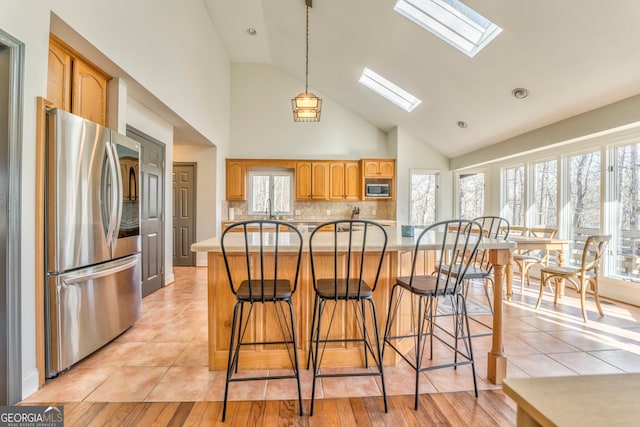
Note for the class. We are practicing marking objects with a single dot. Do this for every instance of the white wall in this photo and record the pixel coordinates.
(414, 154)
(262, 121)
(176, 55)
(206, 159)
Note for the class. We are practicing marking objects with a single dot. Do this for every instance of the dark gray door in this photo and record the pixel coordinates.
(151, 210)
(184, 213)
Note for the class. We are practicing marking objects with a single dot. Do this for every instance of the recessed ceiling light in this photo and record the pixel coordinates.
(251, 31)
(385, 88)
(462, 124)
(452, 21)
(520, 93)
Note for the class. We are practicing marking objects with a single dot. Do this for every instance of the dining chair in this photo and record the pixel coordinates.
(456, 249)
(581, 277)
(524, 260)
(492, 227)
(252, 261)
(346, 260)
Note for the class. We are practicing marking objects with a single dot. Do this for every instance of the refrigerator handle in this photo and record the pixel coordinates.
(116, 188)
(102, 271)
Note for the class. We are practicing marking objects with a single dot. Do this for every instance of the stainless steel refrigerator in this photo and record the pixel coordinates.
(92, 229)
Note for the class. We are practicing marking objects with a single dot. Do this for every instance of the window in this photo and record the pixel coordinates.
(452, 21)
(584, 197)
(423, 203)
(627, 200)
(471, 195)
(514, 189)
(545, 194)
(270, 192)
(388, 90)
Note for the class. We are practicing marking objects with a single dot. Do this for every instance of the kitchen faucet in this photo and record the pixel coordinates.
(269, 211)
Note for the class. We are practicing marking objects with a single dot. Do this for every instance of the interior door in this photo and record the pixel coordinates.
(4, 220)
(151, 210)
(184, 213)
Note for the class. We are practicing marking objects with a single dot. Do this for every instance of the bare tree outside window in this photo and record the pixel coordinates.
(546, 194)
(627, 185)
(514, 203)
(424, 188)
(584, 196)
(471, 195)
(270, 191)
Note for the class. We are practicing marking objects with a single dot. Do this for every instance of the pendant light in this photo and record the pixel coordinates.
(306, 106)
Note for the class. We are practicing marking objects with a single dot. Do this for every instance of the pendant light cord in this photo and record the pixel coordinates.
(306, 75)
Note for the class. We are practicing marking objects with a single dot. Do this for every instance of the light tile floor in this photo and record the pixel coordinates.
(163, 357)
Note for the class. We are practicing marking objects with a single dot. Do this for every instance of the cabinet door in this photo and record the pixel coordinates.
(303, 180)
(371, 168)
(387, 168)
(352, 181)
(236, 181)
(59, 77)
(320, 180)
(89, 92)
(336, 180)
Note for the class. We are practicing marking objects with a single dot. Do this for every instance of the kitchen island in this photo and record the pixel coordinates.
(397, 261)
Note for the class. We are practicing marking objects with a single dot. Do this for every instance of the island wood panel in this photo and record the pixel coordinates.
(265, 327)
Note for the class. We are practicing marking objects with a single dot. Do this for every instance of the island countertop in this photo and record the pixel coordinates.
(395, 241)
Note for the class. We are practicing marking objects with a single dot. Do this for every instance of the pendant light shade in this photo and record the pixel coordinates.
(306, 106)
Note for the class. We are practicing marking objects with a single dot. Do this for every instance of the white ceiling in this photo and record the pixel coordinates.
(572, 55)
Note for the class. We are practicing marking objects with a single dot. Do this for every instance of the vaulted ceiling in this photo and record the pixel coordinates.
(572, 56)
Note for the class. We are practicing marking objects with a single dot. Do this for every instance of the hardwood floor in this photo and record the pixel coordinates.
(491, 408)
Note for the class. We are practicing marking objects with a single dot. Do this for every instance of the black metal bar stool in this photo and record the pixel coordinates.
(251, 259)
(342, 254)
(457, 242)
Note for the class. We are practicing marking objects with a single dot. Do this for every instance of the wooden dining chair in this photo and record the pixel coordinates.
(524, 260)
(457, 247)
(252, 262)
(581, 277)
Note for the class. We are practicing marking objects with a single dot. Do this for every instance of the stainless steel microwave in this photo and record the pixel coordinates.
(377, 190)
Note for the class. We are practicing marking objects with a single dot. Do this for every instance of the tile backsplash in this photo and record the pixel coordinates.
(322, 210)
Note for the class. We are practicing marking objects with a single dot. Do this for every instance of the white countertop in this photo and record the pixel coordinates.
(395, 241)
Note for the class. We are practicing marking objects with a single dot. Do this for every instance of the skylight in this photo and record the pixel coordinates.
(452, 21)
(384, 87)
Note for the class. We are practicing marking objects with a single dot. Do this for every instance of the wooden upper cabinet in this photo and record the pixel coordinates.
(236, 180)
(76, 85)
(303, 180)
(59, 77)
(89, 92)
(378, 168)
(312, 180)
(344, 180)
(320, 180)
(352, 177)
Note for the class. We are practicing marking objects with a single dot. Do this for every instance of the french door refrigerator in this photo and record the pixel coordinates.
(92, 229)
